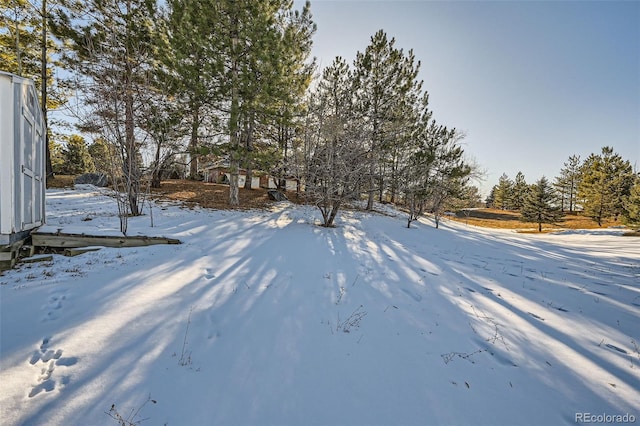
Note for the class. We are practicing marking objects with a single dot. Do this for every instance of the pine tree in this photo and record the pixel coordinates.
(491, 198)
(539, 205)
(519, 192)
(20, 39)
(285, 106)
(386, 89)
(468, 198)
(254, 52)
(76, 157)
(435, 171)
(102, 154)
(503, 193)
(190, 54)
(417, 171)
(236, 66)
(450, 172)
(605, 180)
(27, 50)
(567, 183)
(632, 204)
(113, 52)
(57, 160)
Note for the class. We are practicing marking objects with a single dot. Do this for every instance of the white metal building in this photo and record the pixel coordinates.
(22, 162)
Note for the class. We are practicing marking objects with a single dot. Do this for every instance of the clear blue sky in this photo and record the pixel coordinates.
(530, 82)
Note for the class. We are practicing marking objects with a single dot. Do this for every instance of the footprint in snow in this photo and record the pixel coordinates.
(67, 361)
(54, 304)
(208, 274)
(46, 386)
(47, 360)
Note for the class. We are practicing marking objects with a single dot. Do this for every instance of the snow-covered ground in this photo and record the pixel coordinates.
(265, 318)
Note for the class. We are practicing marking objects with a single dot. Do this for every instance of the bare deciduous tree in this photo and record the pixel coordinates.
(334, 144)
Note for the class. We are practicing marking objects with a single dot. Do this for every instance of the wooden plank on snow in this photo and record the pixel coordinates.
(71, 252)
(62, 240)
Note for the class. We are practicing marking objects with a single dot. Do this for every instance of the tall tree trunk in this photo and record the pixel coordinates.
(43, 76)
(131, 176)
(18, 50)
(571, 195)
(157, 171)
(249, 157)
(284, 143)
(381, 173)
(372, 169)
(193, 142)
(234, 165)
(374, 158)
(132, 173)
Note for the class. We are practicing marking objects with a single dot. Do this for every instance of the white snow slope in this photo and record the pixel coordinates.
(263, 318)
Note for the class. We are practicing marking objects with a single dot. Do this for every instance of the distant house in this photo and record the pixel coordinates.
(219, 173)
(22, 164)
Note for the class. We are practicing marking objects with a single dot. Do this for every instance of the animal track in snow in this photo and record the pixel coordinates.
(56, 300)
(208, 274)
(47, 360)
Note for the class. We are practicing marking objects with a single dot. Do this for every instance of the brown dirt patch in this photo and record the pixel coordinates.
(213, 195)
(192, 193)
(60, 181)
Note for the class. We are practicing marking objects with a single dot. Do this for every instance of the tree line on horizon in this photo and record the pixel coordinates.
(158, 86)
(602, 186)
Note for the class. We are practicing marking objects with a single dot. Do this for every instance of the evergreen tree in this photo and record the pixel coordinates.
(20, 39)
(57, 159)
(539, 205)
(386, 88)
(248, 53)
(567, 183)
(286, 103)
(112, 48)
(417, 170)
(519, 192)
(435, 172)
(76, 157)
(468, 198)
(632, 204)
(606, 179)
(103, 155)
(503, 193)
(491, 198)
(450, 173)
(190, 70)
(27, 50)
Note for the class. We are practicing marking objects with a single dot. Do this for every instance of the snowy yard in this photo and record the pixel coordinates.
(264, 318)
